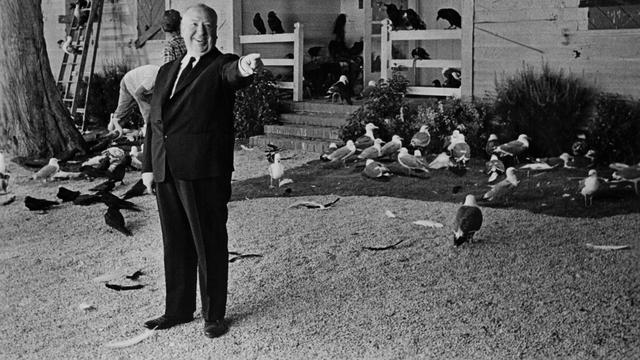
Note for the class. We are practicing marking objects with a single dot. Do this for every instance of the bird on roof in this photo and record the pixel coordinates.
(343, 152)
(492, 143)
(413, 20)
(452, 77)
(373, 151)
(494, 168)
(375, 170)
(340, 91)
(513, 148)
(35, 204)
(276, 170)
(114, 219)
(391, 148)
(467, 222)
(504, 189)
(452, 16)
(258, 23)
(366, 140)
(47, 171)
(274, 23)
(422, 138)
(411, 162)
(590, 186)
(628, 173)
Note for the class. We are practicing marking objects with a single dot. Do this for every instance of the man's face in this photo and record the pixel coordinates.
(199, 31)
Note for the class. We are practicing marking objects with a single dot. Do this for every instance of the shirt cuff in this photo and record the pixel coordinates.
(244, 69)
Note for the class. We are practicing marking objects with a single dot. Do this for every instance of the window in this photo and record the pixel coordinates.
(613, 14)
(150, 14)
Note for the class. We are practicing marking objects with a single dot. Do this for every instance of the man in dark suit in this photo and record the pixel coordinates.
(189, 154)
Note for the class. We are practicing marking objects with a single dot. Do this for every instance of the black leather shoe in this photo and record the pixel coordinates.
(165, 322)
(214, 329)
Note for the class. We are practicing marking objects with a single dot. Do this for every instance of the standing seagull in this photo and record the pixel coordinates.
(259, 24)
(274, 23)
(391, 147)
(368, 138)
(504, 188)
(276, 170)
(422, 138)
(629, 173)
(494, 168)
(411, 162)
(513, 148)
(452, 16)
(590, 186)
(47, 171)
(467, 222)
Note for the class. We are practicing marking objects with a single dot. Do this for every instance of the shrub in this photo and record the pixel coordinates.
(615, 129)
(256, 106)
(549, 106)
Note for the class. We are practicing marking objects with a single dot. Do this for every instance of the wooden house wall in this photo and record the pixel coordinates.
(552, 31)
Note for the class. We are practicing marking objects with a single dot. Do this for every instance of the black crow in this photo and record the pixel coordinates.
(137, 189)
(451, 77)
(452, 16)
(120, 170)
(114, 219)
(412, 19)
(357, 47)
(259, 24)
(395, 16)
(314, 52)
(35, 204)
(105, 186)
(87, 199)
(338, 27)
(90, 172)
(113, 201)
(436, 83)
(420, 54)
(65, 194)
(274, 23)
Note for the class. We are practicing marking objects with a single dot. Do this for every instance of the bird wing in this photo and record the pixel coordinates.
(468, 219)
(420, 139)
(46, 171)
(363, 142)
(514, 147)
(369, 153)
(389, 148)
(340, 153)
(441, 161)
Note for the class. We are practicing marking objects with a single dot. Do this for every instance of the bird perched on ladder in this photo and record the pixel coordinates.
(81, 9)
(452, 77)
(452, 16)
(340, 90)
(68, 47)
(467, 222)
(274, 23)
(258, 23)
(413, 21)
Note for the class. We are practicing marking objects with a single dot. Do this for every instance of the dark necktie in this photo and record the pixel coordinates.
(185, 72)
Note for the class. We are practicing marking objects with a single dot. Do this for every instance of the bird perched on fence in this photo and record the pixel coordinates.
(628, 173)
(467, 222)
(413, 21)
(492, 143)
(274, 23)
(375, 170)
(258, 23)
(590, 186)
(422, 138)
(366, 140)
(411, 162)
(452, 77)
(494, 168)
(391, 148)
(47, 171)
(395, 15)
(504, 189)
(420, 53)
(340, 90)
(373, 151)
(513, 148)
(452, 16)
(35, 204)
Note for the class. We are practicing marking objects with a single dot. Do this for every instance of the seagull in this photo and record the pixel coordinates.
(504, 188)
(340, 91)
(513, 148)
(258, 23)
(441, 161)
(590, 186)
(375, 170)
(452, 16)
(579, 147)
(113, 217)
(492, 143)
(274, 23)
(276, 170)
(494, 167)
(325, 156)
(453, 139)
(461, 153)
(411, 162)
(65, 194)
(367, 139)
(136, 157)
(422, 138)
(373, 151)
(391, 147)
(467, 222)
(47, 171)
(344, 152)
(452, 77)
(368, 90)
(35, 204)
(559, 161)
(629, 173)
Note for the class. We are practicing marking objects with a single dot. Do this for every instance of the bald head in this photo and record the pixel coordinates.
(199, 29)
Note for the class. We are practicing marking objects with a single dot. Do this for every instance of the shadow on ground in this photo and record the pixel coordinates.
(538, 192)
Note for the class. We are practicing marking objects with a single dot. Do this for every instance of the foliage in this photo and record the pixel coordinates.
(256, 106)
(615, 129)
(548, 106)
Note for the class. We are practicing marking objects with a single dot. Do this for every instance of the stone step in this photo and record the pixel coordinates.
(303, 131)
(314, 119)
(320, 107)
(292, 143)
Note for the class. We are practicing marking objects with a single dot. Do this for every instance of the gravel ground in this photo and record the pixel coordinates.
(528, 288)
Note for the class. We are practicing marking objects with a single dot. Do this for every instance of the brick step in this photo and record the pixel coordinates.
(292, 143)
(303, 131)
(314, 119)
(320, 107)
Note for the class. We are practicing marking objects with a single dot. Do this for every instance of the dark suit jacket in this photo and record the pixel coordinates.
(192, 132)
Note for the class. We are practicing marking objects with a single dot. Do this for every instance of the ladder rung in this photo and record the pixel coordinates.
(67, 81)
(67, 100)
(80, 110)
(70, 63)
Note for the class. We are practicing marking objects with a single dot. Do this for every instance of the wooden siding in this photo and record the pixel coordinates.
(509, 34)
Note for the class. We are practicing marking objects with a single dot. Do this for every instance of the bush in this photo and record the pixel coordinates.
(256, 105)
(549, 106)
(615, 129)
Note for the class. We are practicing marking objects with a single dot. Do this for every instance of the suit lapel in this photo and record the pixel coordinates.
(202, 64)
(171, 78)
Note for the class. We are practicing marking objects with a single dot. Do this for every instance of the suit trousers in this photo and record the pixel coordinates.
(193, 217)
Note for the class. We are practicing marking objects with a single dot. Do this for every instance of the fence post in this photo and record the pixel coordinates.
(298, 57)
(385, 49)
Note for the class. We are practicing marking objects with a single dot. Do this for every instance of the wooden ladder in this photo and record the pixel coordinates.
(72, 72)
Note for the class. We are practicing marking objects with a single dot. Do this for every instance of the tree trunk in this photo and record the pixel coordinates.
(33, 119)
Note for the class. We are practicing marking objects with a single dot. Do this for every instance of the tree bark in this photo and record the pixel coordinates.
(33, 118)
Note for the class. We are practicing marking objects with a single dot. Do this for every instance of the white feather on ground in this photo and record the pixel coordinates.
(132, 341)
